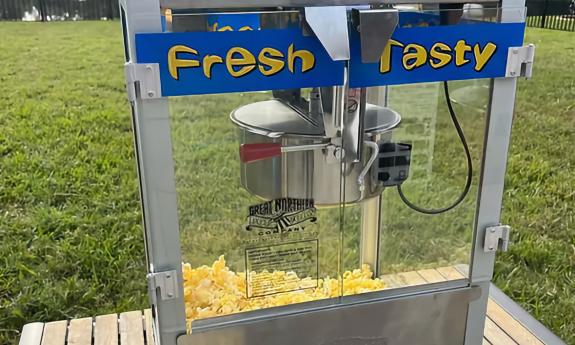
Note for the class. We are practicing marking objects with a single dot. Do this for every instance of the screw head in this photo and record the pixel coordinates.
(149, 67)
(492, 230)
(151, 93)
(170, 295)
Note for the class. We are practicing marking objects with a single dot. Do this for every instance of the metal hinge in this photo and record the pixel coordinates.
(143, 80)
(496, 238)
(520, 61)
(166, 282)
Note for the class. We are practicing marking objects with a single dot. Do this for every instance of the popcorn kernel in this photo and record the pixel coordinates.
(217, 290)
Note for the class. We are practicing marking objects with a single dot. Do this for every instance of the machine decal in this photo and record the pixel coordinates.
(282, 267)
(232, 61)
(438, 53)
(281, 216)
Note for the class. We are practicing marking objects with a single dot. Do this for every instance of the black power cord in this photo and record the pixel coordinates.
(469, 164)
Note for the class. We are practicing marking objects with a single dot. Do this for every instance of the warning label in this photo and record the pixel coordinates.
(281, 268)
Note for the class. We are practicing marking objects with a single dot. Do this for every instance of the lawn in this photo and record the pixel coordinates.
(70, 234)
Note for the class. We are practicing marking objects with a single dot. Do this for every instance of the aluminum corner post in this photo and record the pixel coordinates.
(153, 148)
(491, 185)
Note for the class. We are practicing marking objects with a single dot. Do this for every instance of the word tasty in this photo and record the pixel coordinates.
(438, 55)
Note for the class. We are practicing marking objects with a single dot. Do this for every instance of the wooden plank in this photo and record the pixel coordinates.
(391, 281)
(131, 328)
(496, 335)
(32, 333)
(411, 278)
(80, 332)
(55, 333)
(463, 269)
(511, 326)
(431, 276)
(106, 330)
(148, 327)
(450, 273)
(501, 328)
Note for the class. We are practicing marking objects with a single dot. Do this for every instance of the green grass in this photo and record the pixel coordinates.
(70, 235)
(539, 269)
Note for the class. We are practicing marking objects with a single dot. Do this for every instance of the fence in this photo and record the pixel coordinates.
(562, 22)
(551, 14)
(53, 10)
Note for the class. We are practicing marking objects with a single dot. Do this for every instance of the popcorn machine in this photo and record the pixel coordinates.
(322, 172)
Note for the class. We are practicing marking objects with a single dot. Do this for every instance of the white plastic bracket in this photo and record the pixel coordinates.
(520, 61)
(143, 80)
(496, 238)
(166, 282)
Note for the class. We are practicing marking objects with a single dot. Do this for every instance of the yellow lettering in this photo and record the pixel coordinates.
(213, 27)
(247, 61)
(385, 59)
(414, 56)
(460, 49)
(306, 57)
(439, 57)
(482, 57)
(174, 63)
(209, 61)
(266, 57)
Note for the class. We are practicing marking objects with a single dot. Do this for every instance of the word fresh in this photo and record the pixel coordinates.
(240, 61)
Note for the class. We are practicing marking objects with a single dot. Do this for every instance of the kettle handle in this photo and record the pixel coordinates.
(374, 153)
(259, 151)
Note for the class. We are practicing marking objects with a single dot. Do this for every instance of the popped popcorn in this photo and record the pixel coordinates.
(217, 290)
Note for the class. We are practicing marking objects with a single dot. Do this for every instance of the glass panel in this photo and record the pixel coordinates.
(430, 15)
(412, 240)
(396, 234)
(259, 234)
(294, 218)
(414, 248)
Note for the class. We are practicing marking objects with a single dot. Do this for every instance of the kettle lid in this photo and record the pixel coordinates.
(274, 118)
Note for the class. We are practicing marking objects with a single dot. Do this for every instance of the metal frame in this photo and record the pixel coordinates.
(157, 183)
(491, 185)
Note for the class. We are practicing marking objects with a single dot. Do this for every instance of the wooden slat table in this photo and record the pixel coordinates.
(506, 322)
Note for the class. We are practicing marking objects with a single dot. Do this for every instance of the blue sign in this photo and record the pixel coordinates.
(254, 60)
(233, 22)
(438, 53)
(423, 19)
(232, 61)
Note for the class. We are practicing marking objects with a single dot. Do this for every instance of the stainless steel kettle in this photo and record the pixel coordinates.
(285, 152)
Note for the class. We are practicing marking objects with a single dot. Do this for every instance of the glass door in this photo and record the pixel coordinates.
(260, 228)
